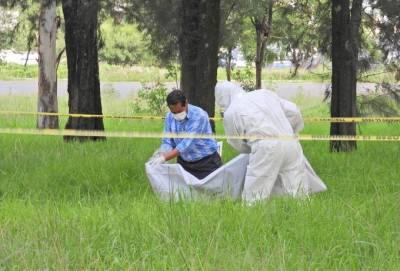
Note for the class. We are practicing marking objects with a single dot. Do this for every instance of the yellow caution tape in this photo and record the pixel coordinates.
(81, 115)
(353, 119)
(119, 134)
(310, 119)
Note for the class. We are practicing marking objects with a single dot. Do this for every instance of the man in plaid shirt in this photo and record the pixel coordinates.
(198, 156)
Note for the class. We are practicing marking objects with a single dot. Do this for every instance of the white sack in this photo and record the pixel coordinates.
(171, 181)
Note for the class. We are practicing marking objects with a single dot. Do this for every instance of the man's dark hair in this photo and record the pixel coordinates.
(176, 96)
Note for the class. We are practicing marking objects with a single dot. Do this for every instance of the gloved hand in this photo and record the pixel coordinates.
(157, 153)
(157, 160)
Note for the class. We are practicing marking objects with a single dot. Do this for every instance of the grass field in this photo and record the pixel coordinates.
(89, 206)
(114, 73)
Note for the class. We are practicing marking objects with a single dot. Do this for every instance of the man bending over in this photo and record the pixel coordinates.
(197, 156)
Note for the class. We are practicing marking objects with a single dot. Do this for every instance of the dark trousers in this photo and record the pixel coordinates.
(203, 167)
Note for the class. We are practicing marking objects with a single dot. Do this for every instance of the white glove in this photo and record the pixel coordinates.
(157, 153)
(157, 160)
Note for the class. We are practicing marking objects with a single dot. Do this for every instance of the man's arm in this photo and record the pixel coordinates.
(167, 149)
(167, 144)
(293, 114)
(193, 127)
(233, 128)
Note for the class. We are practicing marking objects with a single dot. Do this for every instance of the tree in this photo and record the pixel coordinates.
(47, 96)
(345, 45)
(185, 30)
(46, 23)
(387, 21)
(7, 24)
(232, 22)
(160, 21)
(262, 23)
(298, 24)
(18, 21)
(257, 22)
(199, 44)
(81, 22)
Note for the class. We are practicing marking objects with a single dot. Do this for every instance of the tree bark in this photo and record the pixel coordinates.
(229, 64)
(345, 43)
(199, 45)
(47, 96)
(297, 58)
(81, 24)
(260, 50)
(296, 68)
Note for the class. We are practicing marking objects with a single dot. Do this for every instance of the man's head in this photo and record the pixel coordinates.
(225, 92)
(178, 104)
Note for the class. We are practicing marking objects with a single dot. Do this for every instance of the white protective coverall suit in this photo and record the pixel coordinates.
(276, 167)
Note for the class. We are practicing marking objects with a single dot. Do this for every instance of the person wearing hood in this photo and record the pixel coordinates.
(276, 167)
(198, 156)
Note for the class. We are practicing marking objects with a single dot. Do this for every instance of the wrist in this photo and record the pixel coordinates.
(170, 155)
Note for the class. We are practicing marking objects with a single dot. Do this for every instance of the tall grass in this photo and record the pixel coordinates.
(89, 206)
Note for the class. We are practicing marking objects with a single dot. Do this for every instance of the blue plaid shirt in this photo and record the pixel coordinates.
(190, 149)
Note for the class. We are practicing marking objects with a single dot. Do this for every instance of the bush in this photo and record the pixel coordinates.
(151, 99)
(245, 77)
(123, 45)
(384, 101)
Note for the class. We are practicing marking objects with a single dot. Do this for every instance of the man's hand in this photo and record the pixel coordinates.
(157, 160)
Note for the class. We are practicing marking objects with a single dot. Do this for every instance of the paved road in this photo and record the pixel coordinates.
(129, 89)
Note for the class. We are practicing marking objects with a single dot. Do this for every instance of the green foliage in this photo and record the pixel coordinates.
(254, 11)
(173, 73)
(323, 26)
(248, 41)
(298, 26)
(255, 8)
(24, 34)
(388, 24)
(123, 45)
(245, 77)
(384, 101)
(160, 22)
(6, 26)
(231, 24)
(151, 99)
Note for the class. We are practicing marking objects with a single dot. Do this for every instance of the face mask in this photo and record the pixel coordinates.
(180, 116)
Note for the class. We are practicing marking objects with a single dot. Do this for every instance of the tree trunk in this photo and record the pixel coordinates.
(83, 68)
(47, 96)
(263, 28)
(296, 62)
(345, 42)
(229, 64)
(259, 61)
(296, 69)
(199, 46)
